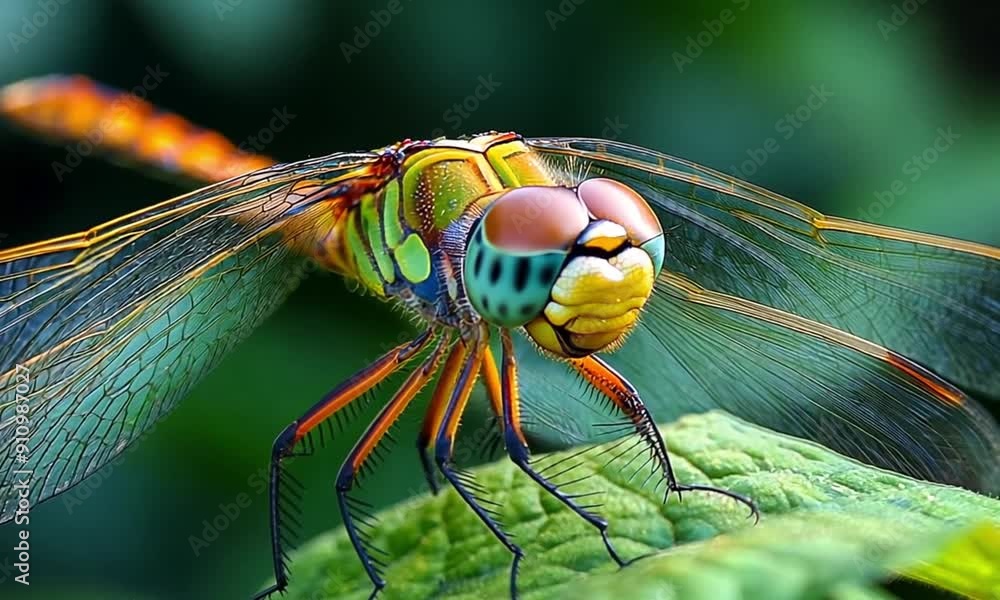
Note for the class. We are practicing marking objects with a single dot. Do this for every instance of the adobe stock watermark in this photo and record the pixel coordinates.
(899, 16)
(786, 127)
(82, 491)
(265, 135)
(455, 115)
(713, 28)
(613, 128)
(877, 554)
(228, 512)
(534, 208)
(364, 34)
(22, 477)
(122, 109)
(913, 168)
(7, 569)
(224, 7)
(564, 10)
(32, 24)
(254, 145)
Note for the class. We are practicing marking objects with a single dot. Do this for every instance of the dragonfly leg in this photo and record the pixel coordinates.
(285, 443)
(356, 512)
(491, 381)
(435, 412)
(626, 399)
(444, 445)
(517, 445)
(425, 464)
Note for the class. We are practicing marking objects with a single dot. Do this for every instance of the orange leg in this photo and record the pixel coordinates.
(444, 444)
(517, 445)
(510, 397)
(491, 381)
(284, 444)
(353, 466)
(435, 410)
(626, 399)
(444, 440)
(358, 384)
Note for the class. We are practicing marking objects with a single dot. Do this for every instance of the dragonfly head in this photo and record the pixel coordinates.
(573, 266)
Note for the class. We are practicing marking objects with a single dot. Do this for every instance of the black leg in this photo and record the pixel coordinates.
(464, 485)
(427, 466)
(517, 447)
(626, 399)
(285, 443)
(435, 412)
(357, 514)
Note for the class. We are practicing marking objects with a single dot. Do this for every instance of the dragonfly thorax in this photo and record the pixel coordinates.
(573, 266)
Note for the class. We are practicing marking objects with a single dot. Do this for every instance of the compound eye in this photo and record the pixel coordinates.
(535, 219)
(515, 251)
(616, 202)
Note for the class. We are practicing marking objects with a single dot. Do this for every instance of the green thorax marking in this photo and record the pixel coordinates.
(393, 232)
(439, 184)
(361, 254)
(372, 224)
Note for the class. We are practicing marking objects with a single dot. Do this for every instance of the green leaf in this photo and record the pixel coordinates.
(808, 555)
(968, 564)
(829, 527)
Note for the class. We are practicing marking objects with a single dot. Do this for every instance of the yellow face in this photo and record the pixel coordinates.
(573, 266)
(595, 302)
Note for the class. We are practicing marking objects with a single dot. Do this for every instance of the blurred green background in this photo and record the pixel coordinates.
(850, 92)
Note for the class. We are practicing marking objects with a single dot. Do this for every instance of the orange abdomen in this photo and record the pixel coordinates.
(95, 119)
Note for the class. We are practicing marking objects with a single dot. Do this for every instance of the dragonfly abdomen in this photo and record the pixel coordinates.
(98, 118)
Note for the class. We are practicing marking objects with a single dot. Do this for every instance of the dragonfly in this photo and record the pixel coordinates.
(712, 293)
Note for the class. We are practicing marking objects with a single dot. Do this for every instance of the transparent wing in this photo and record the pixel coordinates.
(102, 332)
(782, 315)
